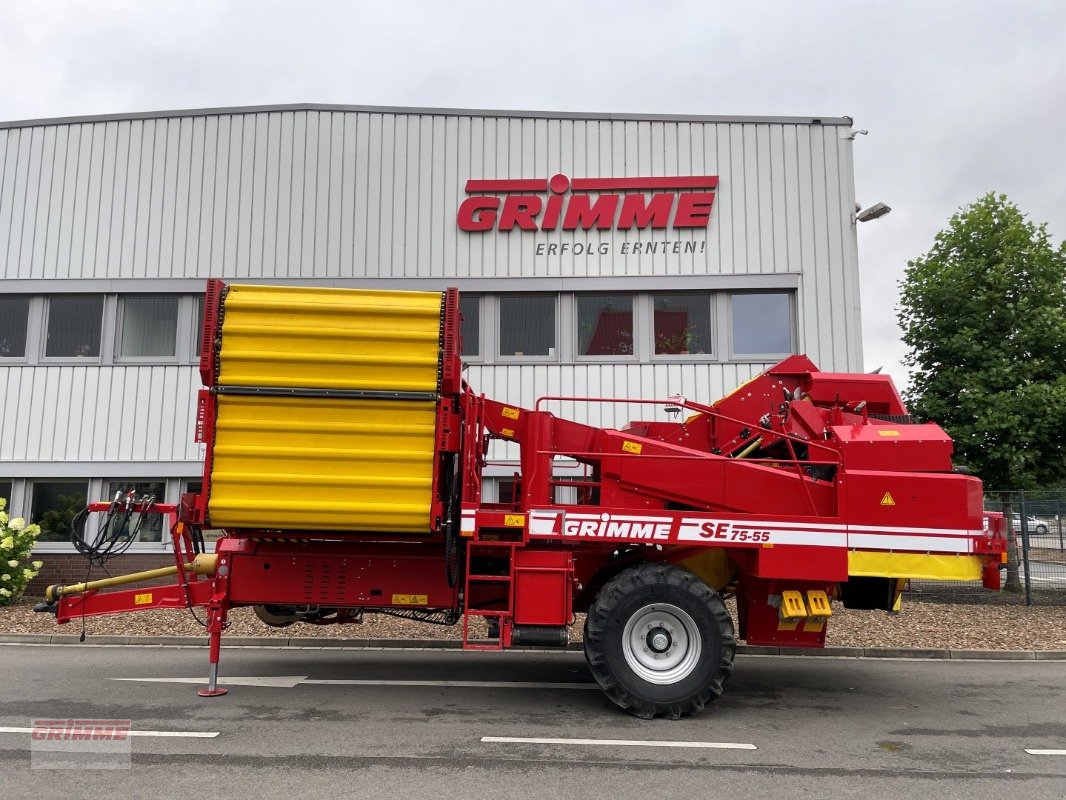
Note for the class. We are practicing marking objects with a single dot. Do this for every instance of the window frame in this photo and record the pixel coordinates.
(712, 356)
(107, 315)
(62, 545)
(28, 340)
(479, 356)
(635, 327)
(790, 298)
(527, 359)
(163, 543)
(120, 321)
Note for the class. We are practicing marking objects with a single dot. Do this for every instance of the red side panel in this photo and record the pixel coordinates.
(210, 331)
(542, 587)
(451, 345)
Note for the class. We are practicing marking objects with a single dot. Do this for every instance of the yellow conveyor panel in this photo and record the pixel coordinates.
(323, 464)
(324, 338)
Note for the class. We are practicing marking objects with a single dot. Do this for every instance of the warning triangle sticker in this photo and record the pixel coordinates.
(887, 499)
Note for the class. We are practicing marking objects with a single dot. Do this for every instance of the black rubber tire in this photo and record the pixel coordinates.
(627, 593)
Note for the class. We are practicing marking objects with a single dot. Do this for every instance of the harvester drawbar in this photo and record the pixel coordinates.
(344, 462)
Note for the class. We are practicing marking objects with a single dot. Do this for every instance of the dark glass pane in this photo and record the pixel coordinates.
(605, 325)
(470, 309)
(150, 528)
(527, 325)
(53, 506)
(149, 326)
(5, 493)
(14, 312)
(762, 324)
(74, 326)
(682, 324)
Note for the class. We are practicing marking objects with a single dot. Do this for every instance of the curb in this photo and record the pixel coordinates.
(323, 643)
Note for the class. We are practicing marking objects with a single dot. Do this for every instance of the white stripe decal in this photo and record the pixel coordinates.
(931, 544)
(927, 531)
(542, 523)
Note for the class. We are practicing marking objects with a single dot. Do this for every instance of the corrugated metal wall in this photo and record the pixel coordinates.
(336, 194)
(112, 413)
(348, 194)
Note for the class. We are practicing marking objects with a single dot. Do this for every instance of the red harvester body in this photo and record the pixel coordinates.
(344, 462)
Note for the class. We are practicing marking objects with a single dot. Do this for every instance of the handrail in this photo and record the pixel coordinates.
(701, 409)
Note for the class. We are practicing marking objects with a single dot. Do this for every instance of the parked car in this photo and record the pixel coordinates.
(1034, 525)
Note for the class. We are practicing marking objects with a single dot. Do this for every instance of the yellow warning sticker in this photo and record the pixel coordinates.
(514, 520)
(887, 499)
(142, 599)
(507, 432)
(510, 413)
(631, 447)
(410, 599)
(889, 433)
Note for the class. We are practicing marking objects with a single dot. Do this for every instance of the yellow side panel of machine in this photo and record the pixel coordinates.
(320, 338)
(868, 564)
(322, 464)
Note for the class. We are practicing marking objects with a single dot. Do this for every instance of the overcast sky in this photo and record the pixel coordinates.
(959, 98)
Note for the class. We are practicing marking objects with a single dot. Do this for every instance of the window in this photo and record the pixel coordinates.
(470, 309)
(605, 325)
(14, 314)
(142, 527)
(54, 505)
(198, 331)
(5, 493)
(527, 325)
(682, 324)
(74, 326)
(149, 327)
(762, 324)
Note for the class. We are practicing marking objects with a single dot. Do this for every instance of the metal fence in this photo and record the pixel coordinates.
(1035, 573)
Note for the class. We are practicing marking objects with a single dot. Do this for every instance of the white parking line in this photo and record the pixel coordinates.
(453, 684)
(618, 742)
(273, 681)
(292, 681)
(167, 734)
(1046, 752)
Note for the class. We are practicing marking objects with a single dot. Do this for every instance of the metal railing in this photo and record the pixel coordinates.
(1035, 573)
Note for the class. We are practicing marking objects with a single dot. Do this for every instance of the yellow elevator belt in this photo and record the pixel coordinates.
(322, 464)
(277, 336)
(330, 463)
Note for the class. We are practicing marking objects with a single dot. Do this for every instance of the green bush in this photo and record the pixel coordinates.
(16, 543)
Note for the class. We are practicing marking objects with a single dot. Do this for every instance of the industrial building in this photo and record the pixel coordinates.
(597, 255)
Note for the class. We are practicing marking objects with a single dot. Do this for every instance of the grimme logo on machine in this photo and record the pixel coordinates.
(587, 204)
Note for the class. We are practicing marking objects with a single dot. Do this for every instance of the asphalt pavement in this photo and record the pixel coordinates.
(450, 724)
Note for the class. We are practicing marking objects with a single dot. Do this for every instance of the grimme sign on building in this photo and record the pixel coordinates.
(596, 255)
(585, 204)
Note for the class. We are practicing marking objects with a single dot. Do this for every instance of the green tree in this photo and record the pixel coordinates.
(984, 316)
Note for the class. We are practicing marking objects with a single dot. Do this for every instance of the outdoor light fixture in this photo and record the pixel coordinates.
(873, 212)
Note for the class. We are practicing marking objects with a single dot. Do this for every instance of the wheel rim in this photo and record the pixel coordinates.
(661, 644)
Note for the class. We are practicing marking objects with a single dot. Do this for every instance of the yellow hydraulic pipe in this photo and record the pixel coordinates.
(749, 449)
(203, 564)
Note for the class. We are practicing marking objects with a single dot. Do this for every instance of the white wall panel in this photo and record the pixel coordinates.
(343, 194)
(121, 413)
